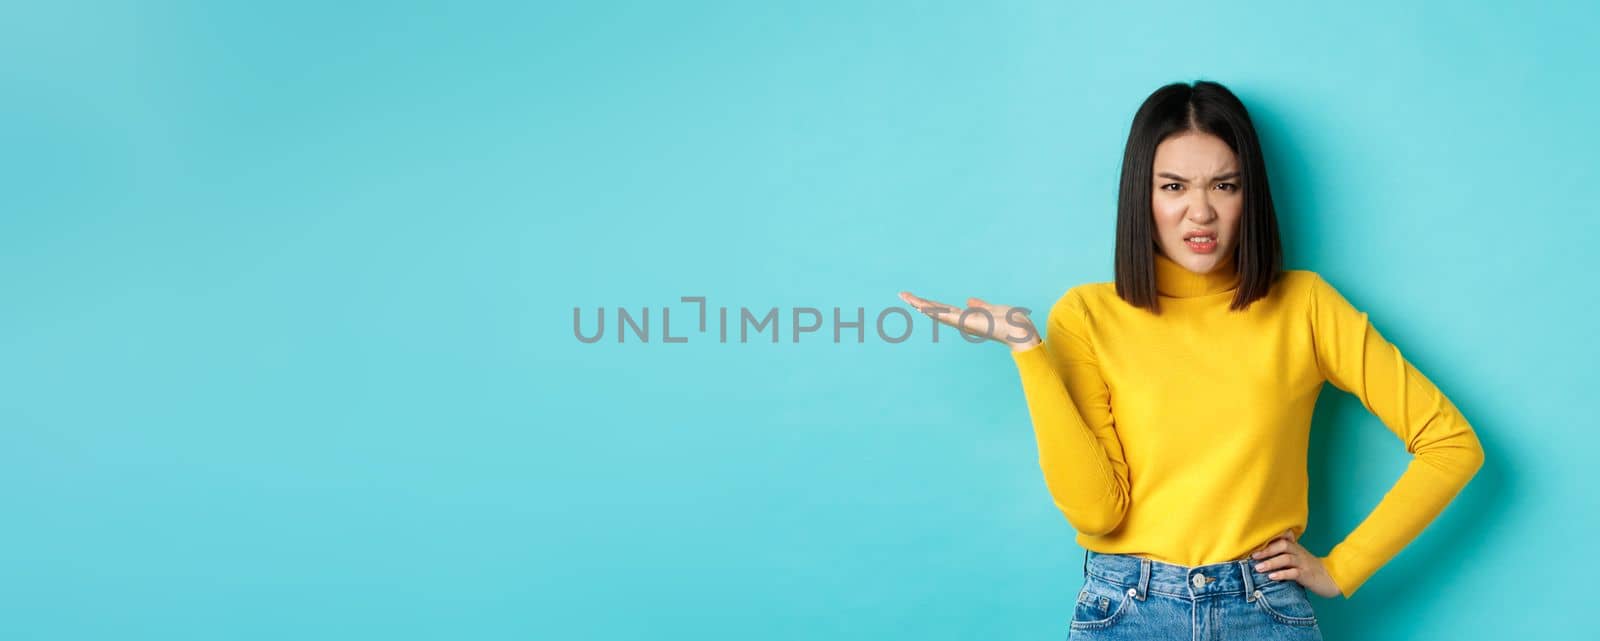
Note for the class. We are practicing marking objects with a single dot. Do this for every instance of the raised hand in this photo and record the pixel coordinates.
(1004, 323)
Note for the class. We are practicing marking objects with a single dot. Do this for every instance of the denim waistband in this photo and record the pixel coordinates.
(1143, 576)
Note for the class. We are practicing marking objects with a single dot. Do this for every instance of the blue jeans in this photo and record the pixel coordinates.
(1131, 597)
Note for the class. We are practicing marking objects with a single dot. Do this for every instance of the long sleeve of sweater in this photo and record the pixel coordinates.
(1446, 453)
(1069, 404)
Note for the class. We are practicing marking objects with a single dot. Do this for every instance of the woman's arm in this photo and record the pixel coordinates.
(1446, 453)
(1079, 451)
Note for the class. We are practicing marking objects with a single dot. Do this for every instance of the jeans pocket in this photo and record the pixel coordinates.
(1286, 602)
(1100, 604)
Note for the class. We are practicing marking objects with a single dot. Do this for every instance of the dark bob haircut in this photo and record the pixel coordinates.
(1210, 108)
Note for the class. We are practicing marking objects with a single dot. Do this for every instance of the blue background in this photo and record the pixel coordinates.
(286, 344)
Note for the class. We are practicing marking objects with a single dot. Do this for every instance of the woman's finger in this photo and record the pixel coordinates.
(1289, 574)
(921, 304)
(1276, 563)
(1276, 546)
(947, 314)
(1286, 535)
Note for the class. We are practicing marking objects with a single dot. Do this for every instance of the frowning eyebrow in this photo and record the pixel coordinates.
(1227, 176)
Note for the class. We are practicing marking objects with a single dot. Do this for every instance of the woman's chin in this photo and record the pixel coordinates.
(1199, 263)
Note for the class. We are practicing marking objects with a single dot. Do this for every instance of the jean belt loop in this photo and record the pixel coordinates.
(1144, 578)
(1249, 582)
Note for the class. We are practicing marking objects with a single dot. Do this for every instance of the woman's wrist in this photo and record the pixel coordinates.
(1025, 345)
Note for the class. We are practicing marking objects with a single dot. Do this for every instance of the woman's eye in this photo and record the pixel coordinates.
(1169, 186)
(1228, 186)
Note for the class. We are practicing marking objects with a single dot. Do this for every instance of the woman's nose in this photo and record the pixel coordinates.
(1202, 212)
(1200, 206)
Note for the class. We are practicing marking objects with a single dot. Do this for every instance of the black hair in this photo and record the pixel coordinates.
(1210, 108)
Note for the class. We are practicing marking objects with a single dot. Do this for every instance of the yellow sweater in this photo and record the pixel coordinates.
(1182, 437)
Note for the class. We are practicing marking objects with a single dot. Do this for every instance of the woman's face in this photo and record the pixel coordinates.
(1196, 193)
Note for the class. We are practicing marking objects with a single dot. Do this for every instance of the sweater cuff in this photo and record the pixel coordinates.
(1034, 353)
(1348, 568)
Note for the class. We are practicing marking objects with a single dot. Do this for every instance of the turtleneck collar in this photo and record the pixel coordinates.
(1177, 281)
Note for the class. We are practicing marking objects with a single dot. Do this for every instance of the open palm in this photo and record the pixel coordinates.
(1005, 323)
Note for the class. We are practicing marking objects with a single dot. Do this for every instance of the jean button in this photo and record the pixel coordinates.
(1199, 581)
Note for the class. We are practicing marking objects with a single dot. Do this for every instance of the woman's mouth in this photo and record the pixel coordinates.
(1201, 244)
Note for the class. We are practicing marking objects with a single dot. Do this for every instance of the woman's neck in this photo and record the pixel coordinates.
(1175, 280)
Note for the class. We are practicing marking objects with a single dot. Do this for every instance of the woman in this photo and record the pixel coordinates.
(1172, 407)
